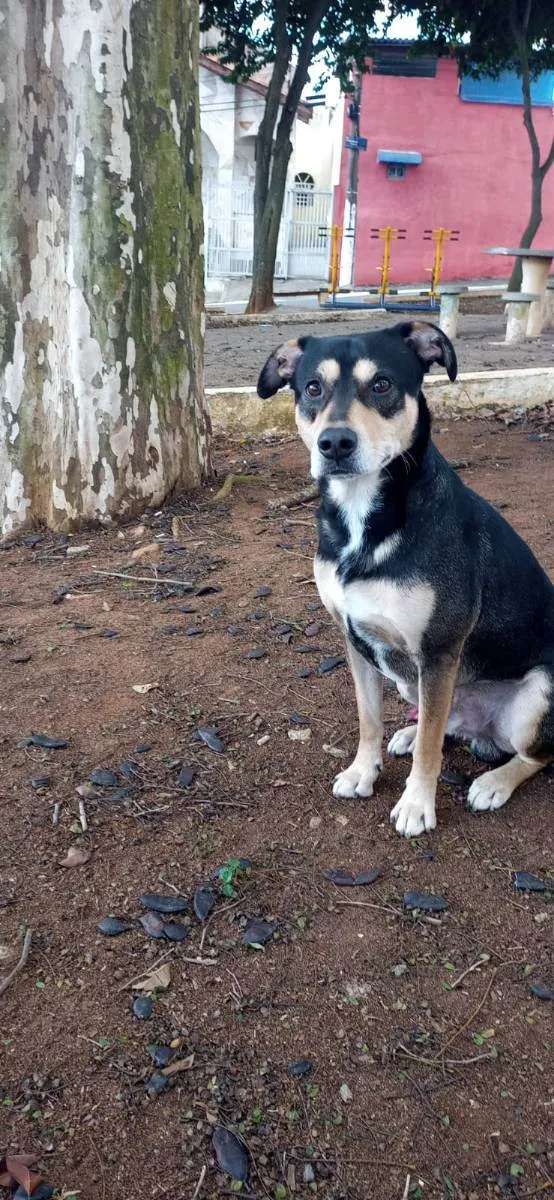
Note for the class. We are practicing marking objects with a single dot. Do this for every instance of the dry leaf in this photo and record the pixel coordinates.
(76, 856)
(143, 688)
(180, 1064)
(150, 551)
(156, 980)
(17, 1170)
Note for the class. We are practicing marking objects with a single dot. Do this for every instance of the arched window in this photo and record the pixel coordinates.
(304, 184)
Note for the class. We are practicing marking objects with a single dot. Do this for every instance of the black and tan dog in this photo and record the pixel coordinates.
(431, 586)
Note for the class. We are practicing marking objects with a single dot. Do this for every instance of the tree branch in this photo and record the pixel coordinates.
(548, 162)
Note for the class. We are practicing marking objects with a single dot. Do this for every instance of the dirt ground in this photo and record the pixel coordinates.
(235, 356)
(430, 1055)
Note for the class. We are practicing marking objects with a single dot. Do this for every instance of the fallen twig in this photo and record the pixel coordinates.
(479, 962)
(406, 1191)
(83, 816)
(366, 904)
(169, 580)
(448, 1062)
(227, 487)
(56, 814)
(311, 492)
(4, 985)
(200, 1182)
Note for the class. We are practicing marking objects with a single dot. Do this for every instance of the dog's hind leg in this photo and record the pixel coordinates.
(359, 777)
(528, 725)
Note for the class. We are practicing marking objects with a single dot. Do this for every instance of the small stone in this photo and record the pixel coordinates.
(315, 822)
(186, 776)
(263, 591)
(152, 925)
(523, 881)
(314, 606)
(103, 778)
(163, 904)
(366, 877)
(40, 781)
(235, 630)
(109, 633)
(303, 1066)
(542, 993)
(142, 1008)
(304, 673)
(143, 748)
(194, 631)
(230, 1153)
(425, 901)
(283, 629)
(312, 629)
(21, 658)
(330, 664)
(112, 926)
(305, 648)
(81, 626)
(299, 735)
(203, 902)
(156, 1083)
(345, 1093)
(168, 629)
(257, 932)
(308, 1173)
(258, 652)
(174, 931)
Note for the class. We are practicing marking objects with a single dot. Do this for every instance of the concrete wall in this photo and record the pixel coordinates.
(475, 177)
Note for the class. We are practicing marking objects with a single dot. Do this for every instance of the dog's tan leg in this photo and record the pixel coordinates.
(494, 788)
(359, 777)
(415, 811)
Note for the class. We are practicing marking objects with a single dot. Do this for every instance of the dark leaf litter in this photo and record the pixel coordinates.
(230, 1154)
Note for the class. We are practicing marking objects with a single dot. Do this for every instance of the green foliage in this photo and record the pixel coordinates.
(486, 37)
(246, 32)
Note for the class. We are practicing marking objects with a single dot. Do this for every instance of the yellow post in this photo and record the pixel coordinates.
(387, 235)
(336, 232)
(439, 237)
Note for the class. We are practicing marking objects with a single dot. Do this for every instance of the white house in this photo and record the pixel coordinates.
(230, 116)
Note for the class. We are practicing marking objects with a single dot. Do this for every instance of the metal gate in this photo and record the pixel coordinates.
(302, 249)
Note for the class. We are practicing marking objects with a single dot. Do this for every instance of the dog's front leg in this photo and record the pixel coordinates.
(359, 777)
(415, 812)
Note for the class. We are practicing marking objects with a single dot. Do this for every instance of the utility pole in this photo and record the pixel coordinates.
(349, 234)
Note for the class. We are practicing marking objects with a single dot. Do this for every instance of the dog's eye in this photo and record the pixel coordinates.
(381, 386)
(313, 387)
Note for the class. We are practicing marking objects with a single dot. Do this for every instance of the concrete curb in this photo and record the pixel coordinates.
(239, 412)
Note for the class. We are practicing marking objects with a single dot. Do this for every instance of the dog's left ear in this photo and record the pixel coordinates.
(280, 367)
(430, 344)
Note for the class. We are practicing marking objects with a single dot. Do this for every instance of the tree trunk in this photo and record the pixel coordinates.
(530, 230)
(101, 292)
(271, 174)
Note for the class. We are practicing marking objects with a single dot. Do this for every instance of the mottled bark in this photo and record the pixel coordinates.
(101, 276)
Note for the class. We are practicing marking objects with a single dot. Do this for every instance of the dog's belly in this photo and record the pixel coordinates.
(384, 620)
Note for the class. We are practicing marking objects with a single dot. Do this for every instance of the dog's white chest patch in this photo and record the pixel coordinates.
(387, 614)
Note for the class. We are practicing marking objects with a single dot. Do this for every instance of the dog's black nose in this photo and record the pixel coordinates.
(337, 442)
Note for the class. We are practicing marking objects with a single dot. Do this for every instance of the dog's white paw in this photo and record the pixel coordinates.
(357, 780)
(415, 812)
(489, 791)
(402, 742)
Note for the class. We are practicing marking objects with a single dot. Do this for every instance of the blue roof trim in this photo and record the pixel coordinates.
(507, 89)
(410, 158)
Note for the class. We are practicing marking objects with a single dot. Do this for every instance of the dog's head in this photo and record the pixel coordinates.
(357, 397)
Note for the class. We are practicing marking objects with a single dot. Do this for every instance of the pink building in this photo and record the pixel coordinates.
(443, 152)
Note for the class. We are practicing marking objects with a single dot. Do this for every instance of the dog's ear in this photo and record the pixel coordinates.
(280, 367)
(430, 344)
